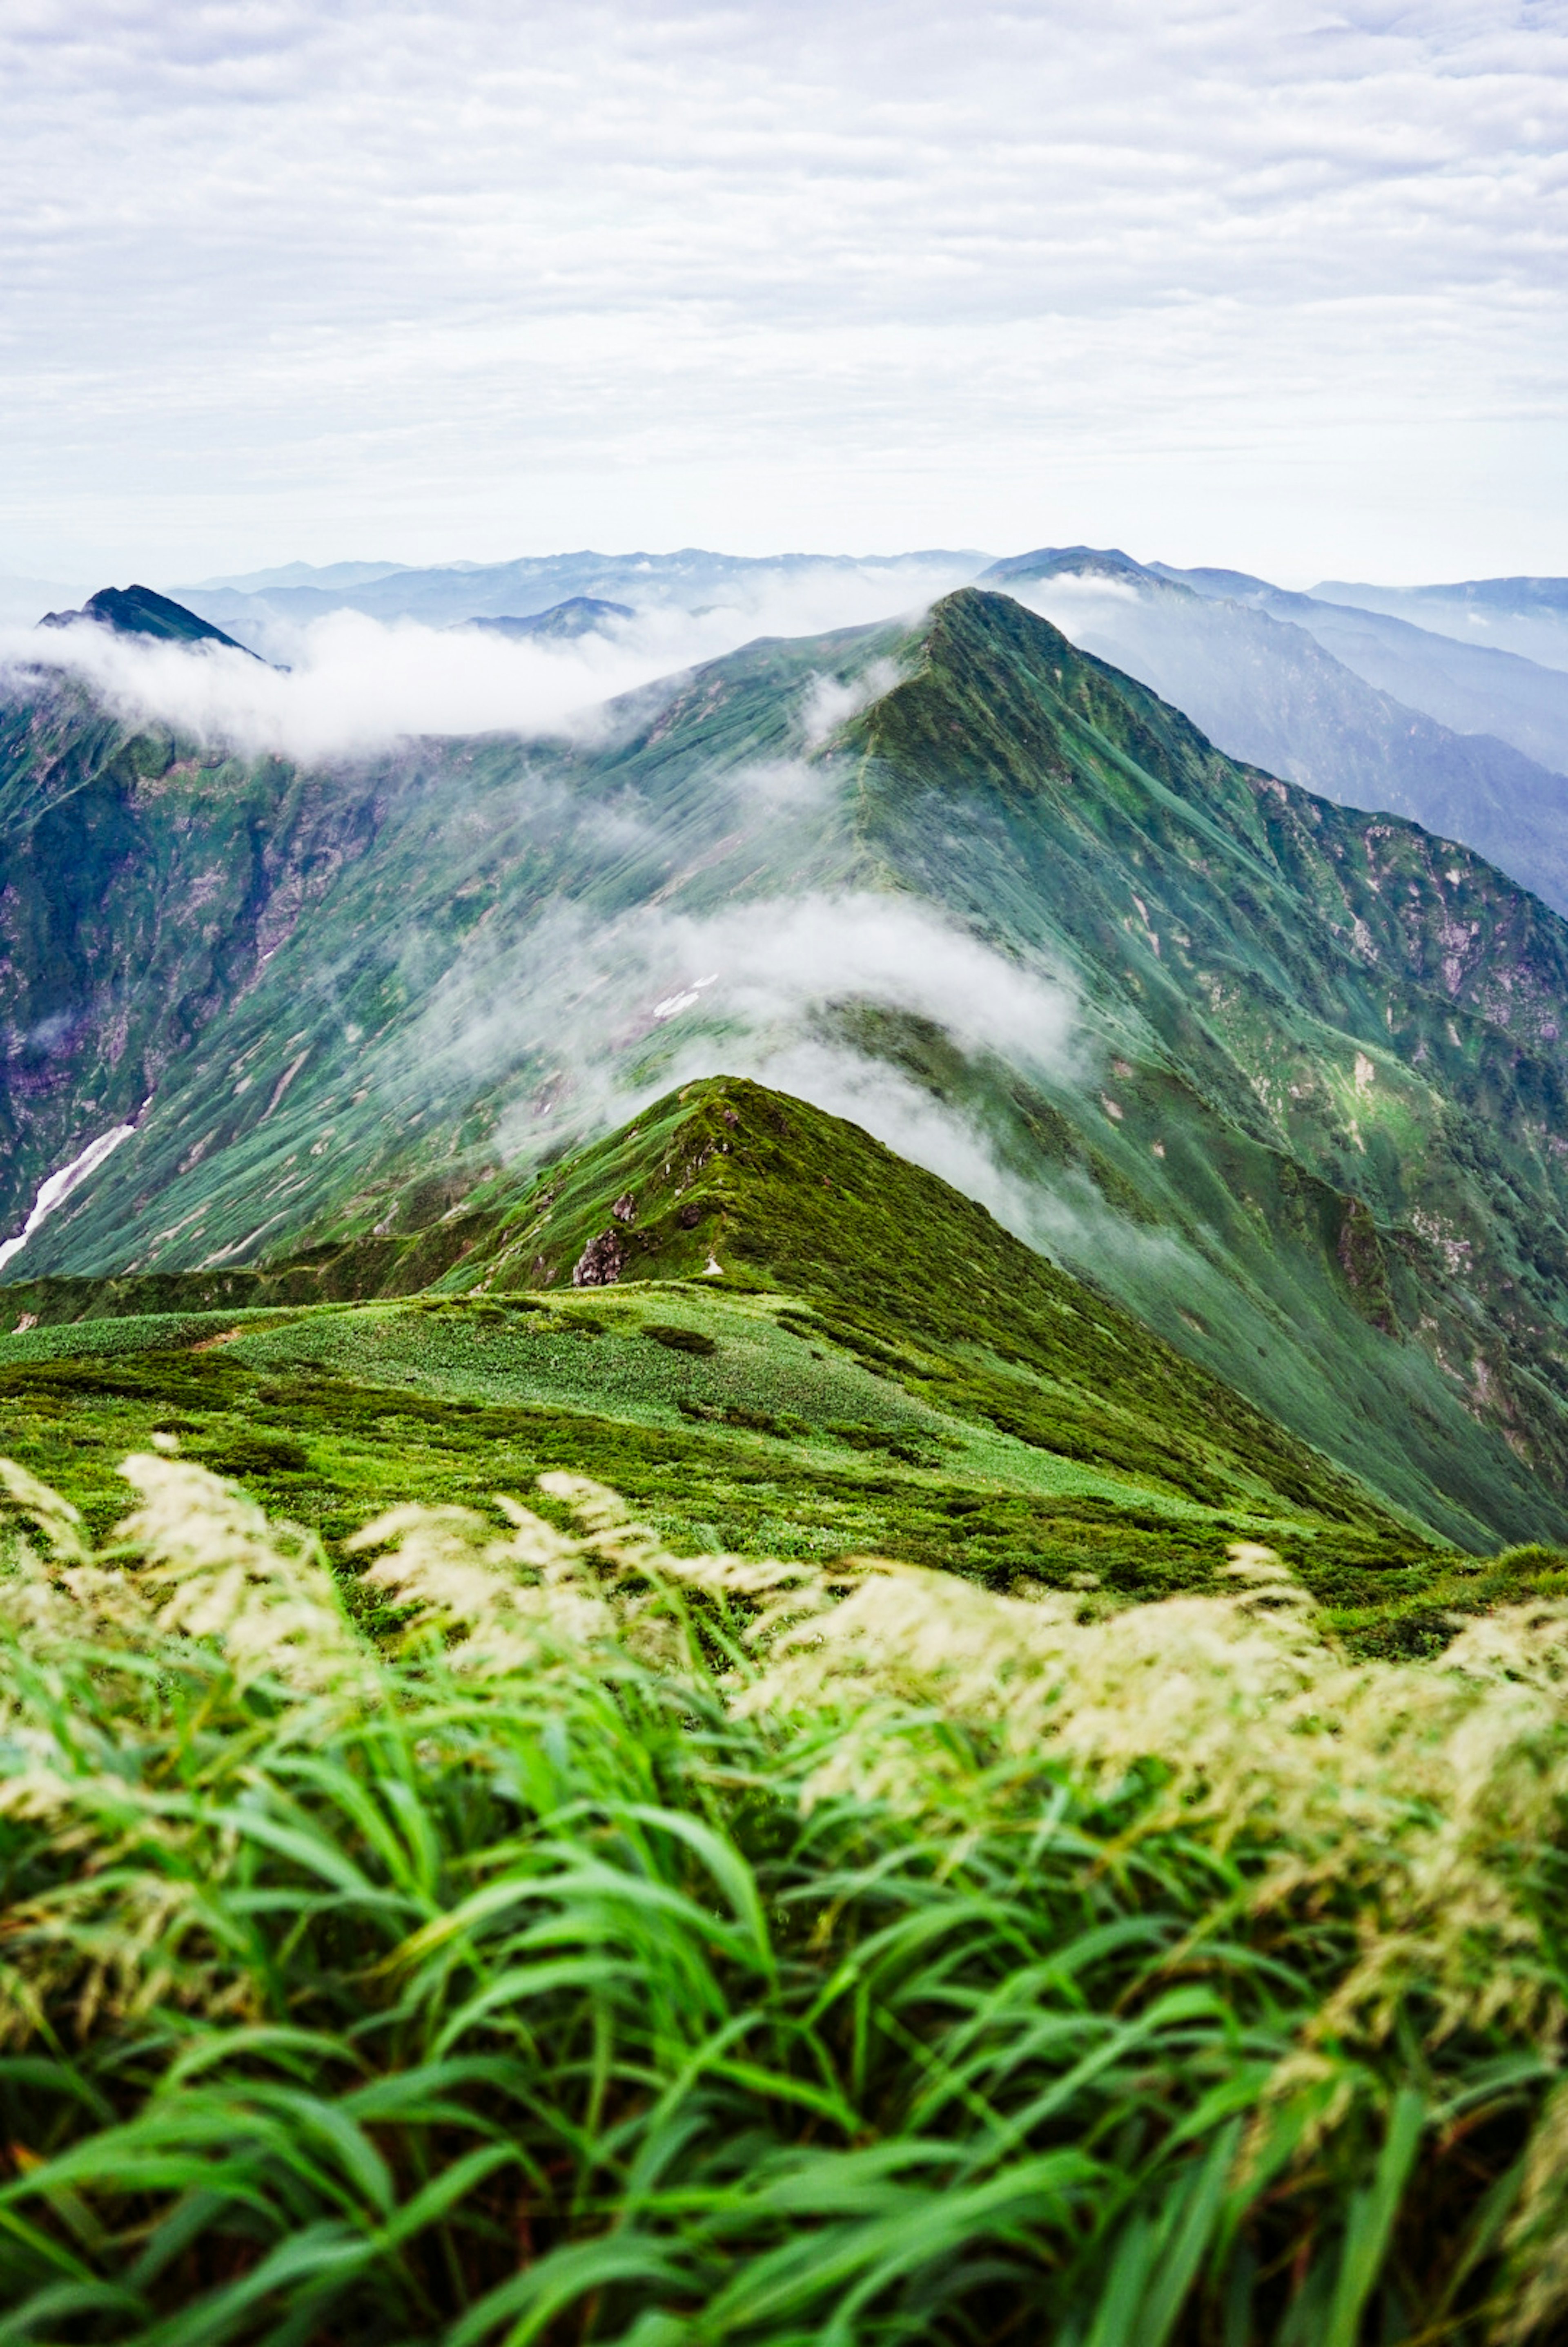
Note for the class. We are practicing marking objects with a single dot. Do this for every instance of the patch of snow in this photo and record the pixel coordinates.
(673, 1003)
(59, 1186)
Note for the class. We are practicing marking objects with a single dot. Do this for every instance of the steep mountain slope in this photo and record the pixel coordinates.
(139, 611)
(1260, 676)
(1472, 687)
(1289, 1081)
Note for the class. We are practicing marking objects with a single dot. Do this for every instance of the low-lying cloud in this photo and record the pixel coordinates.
(582, 1023)
(353, 685)
(594, 996)
(832, 701)
(346, 684)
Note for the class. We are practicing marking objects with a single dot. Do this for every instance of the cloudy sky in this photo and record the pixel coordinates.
(1272, 284)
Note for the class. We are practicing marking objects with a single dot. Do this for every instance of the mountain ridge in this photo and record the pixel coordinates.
(141, 611)
(1271, 678)
(1302, 1129)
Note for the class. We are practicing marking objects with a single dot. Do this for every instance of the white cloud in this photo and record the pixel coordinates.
(783, 966)
(832, 701)
(580, 1017)
(353, 683)
(385, 279)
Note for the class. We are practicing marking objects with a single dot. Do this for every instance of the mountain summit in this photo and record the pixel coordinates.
(140, 612)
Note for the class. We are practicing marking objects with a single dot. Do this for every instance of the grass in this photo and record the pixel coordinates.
(782, 1438)
(533, 1935)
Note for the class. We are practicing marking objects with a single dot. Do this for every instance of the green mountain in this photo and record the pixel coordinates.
(1284, 1080)
(141, 611)
(1271, 679)
(756, 1320)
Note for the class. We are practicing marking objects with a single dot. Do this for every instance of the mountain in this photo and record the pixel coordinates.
(1285, 1080)
(1473, 688)
(300, 574)
(693, 579)
(793, 1310)
(138, 611)
(1528, 616)
(579, 615)
(1256, 674)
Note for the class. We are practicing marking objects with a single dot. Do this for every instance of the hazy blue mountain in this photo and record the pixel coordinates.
(691, 579)
(1288, 1080)
(326, 575)
(1472, 688)
(580, 615)
(1267, 690)
(24, 601)
(1529, 616)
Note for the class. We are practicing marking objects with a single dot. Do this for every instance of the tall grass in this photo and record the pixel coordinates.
(544, 1938)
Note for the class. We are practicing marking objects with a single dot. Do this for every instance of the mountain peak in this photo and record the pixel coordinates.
(1067, 561)
(142, 611)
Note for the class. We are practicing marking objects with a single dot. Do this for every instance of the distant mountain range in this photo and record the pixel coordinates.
(1364, 706)
(688, 580)
(1287, 1080)
(1464, 684)
(579, 615)
(1526, 616)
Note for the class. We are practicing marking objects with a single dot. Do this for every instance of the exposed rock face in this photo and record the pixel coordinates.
(1366, 1273)
(625, 1208)
(689, 1216)
(601, 1262)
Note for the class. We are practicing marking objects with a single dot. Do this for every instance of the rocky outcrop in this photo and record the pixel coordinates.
(601, 1262)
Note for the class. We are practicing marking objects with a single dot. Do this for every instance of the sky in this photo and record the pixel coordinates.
(1271, 285)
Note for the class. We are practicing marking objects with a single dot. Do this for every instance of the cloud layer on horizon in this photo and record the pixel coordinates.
(349, 684)
(393, 280)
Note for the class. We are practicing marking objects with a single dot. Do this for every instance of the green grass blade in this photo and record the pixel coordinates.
(1371, 2220)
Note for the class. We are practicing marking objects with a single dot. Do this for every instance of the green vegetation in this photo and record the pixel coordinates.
(1134, 1916)
(811, 1347)
(537, 1936)
(1309, 1129)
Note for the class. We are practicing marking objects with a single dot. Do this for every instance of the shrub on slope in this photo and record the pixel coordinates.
(550, 1939)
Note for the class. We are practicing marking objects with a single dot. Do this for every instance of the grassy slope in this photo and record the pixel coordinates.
(613, 1947)
(876, 1365)
(307, 1043)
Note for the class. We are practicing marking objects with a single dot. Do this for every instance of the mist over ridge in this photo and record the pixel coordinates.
(1221, 1044)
